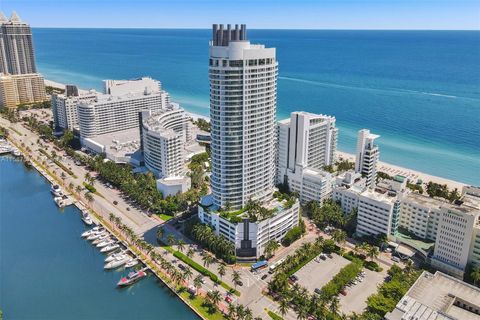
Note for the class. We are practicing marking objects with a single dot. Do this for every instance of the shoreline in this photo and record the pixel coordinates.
(388, 168)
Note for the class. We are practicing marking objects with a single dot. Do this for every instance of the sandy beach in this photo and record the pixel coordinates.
(388, 168)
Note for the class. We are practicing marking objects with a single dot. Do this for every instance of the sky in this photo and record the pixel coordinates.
(261, 14)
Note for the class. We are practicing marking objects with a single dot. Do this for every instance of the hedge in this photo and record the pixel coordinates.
(274, 316)
(89, 187)
(370, 265)
(344, 276)
(292, 235)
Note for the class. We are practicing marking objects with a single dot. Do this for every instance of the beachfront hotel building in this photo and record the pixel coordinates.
(64, 108)
(18, 89)
(306, 143)
(366, 157)
(16, 46)
(243, 95)
(19, 81)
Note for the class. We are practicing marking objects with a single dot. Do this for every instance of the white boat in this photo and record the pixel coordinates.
(101, 238)
(96, 235)
(16, 153)
(87, 219)
(91, 231)
(131, 263)
(117, 262)
(59, 202)
(105, 243)
(56, 190)
(110, 247)
(115, 255)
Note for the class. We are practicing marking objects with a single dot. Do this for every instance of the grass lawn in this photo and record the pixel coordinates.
(165, 217)
(273, 315)
(197, 302)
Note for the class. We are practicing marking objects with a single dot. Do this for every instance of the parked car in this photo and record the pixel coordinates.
(181, 266)
(293, 278)
(318, 291)
(264, 276)
(228, 299)
(323, 257)
(343, 292)
(396, 259)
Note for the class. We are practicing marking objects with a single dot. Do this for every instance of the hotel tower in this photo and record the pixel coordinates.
(243, 95)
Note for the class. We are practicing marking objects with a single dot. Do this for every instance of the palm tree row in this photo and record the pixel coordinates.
(218, 245)
(240, 312)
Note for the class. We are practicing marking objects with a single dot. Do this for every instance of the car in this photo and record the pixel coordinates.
(181, 266)
(240, 283)
(115, 202)
(343, 292)
(228, 299)
(329, 255)
(293, 278)
(318, 291)
(264, 276)
(128, 208)
(396, 259)
(323, 257)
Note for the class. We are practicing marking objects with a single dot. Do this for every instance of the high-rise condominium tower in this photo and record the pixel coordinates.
(367, 156)
(16, 47)
(243, 95)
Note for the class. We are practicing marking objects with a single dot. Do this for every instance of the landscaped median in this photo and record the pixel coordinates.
(341, 279)
(58, 163)
(202, 270)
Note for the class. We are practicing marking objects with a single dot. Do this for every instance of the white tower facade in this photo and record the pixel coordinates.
(367, 156)
(243, 95)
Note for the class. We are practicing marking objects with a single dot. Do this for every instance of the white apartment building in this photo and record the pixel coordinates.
(108, 113)
(64, 109)
(456, 240)
(243, 92)
(305, 144)
(250, 237)
(347, 197)
(122, 87)
(366, 157)
(163, 140)
(377, 213)
(243, 99)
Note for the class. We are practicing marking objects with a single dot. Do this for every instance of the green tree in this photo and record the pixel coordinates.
(236, 278)
(270, 247)
(197, 282)
(475, 274)
(160, 233)
(187, 273)
(221, 270)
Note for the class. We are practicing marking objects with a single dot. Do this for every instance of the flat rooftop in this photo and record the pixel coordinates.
(438, 296)
(119, 143)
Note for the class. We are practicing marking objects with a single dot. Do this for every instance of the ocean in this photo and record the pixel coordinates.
(419, 90)
(47, 271)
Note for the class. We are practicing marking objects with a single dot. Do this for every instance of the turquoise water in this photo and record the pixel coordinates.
(420, 90)
(48, 272)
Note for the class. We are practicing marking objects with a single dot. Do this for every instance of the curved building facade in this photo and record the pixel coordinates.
(163, 138)
(243, 94)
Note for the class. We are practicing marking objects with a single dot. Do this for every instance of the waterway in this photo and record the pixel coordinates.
(47, 271)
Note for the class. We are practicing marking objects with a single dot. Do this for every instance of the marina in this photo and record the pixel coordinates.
(51, 244)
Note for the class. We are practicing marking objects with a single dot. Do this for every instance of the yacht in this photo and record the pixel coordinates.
(131, 263)
(117, 262)
(56, 190)
(91, 231)
(59, 202)
(87, 220)
(110, 247)
(103, 237)
(96, 235)
(16, 152)
(105, 243)
(132, 277)
(115, 255)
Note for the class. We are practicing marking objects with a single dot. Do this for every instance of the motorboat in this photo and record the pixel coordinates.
(102, 238)
(110, 247)
(16, 152)
(132, 277)
(56, 190)
(117, 262)
(131, 263)
(87, 220)
(96, 235)
(105, 243)
(115, 255)
(91, 231)
(59, 202)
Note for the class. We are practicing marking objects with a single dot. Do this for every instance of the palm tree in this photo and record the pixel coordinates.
(160, 233)
(180, 245)
(236, 278)
(197, 282)
(240, 311)
(270, 247)
(87, 177)
(339, 236)
(88, 197)
(215, 297)
(71, 186)
(187, 273)
(170, 239)
(190, 252)
(334, 305)
(221, 270)
(302, 312)
(372, 252)
(283, 307)
(78, 189)
(111, 217)
(248, 315)
(475, 274)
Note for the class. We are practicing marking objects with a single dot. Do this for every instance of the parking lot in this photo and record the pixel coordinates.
(316, 274)
(356, 298)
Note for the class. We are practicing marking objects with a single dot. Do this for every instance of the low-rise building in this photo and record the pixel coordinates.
(438, 297)
(250, 235)
(21, 88)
